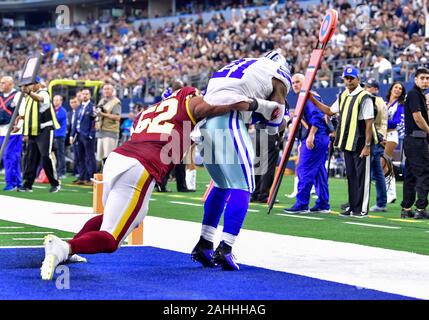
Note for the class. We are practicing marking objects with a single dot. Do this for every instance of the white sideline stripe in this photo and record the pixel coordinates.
(300, 217)
(41, 246)
(11, 227)
(372, 225)
(20, 247)
(347, 263)
(25, 239)
(27, 232)
(187, 203)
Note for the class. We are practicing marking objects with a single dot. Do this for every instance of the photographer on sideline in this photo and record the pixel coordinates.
(107, 124)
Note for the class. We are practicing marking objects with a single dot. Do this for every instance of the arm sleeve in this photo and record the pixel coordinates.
(117, 109)
(335, 108)
(46, 103)
(367, 110)
(317, 117)
(21, 110)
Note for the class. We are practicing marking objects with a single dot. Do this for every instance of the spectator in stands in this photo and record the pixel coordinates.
(324, 75)
(60, 135)
(158, 54)
(107, 123)
(395, 109)
(383, 67)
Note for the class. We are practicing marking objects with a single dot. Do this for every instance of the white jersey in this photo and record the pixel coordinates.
(245, 78)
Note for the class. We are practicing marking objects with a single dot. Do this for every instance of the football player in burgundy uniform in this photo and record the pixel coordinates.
(160, 136)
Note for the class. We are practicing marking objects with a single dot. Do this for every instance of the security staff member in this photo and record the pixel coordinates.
(355, 138)
(416, 178)
(39, 124)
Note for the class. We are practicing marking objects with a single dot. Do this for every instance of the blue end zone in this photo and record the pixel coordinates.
(149, 273)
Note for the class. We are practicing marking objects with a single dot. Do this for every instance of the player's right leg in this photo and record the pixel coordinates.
(127, 203)
(130, 186)
(231, 168)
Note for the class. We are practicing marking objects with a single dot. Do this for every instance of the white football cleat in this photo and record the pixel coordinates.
(56, 252)
(75, 259)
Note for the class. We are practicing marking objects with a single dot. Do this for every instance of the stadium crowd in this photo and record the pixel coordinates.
(391, 42)
(132, 55)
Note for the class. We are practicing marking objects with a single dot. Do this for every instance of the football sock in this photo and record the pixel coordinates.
(92, 224)
(235, 213)
(208, 232)
(93, 242)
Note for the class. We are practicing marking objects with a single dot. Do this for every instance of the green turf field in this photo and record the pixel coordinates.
(385, 230)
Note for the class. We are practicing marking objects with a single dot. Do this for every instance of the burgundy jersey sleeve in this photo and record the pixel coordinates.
(161, 134)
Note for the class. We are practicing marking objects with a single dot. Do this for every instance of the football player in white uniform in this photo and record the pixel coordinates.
(228, 150)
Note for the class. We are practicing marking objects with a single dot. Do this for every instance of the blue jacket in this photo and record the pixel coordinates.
(314, 117)
(85, 123)
(62, 120)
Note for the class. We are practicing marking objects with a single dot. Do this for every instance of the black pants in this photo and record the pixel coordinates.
(180, 174)
(416, 177)
(358, 172)
(88, 164)
(266, 166)
(39, 149)
(59, 143)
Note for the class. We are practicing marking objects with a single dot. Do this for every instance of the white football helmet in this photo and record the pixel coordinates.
(284, 70)
(276, 56)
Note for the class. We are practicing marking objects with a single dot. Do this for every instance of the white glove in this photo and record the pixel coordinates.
(196, 134)
(273, 125)
(264, 107)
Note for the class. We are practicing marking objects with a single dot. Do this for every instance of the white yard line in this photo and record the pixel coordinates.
(372, 225)
(187, 203)
(11, 227)
(201, 205)
(352, 264)
(298, 216)
(27, 232)
(38, 239)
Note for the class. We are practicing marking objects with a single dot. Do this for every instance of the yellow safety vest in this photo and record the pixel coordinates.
(33, 118)
(350, 129)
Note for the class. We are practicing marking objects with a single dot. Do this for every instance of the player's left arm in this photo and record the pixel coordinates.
(201, 109)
